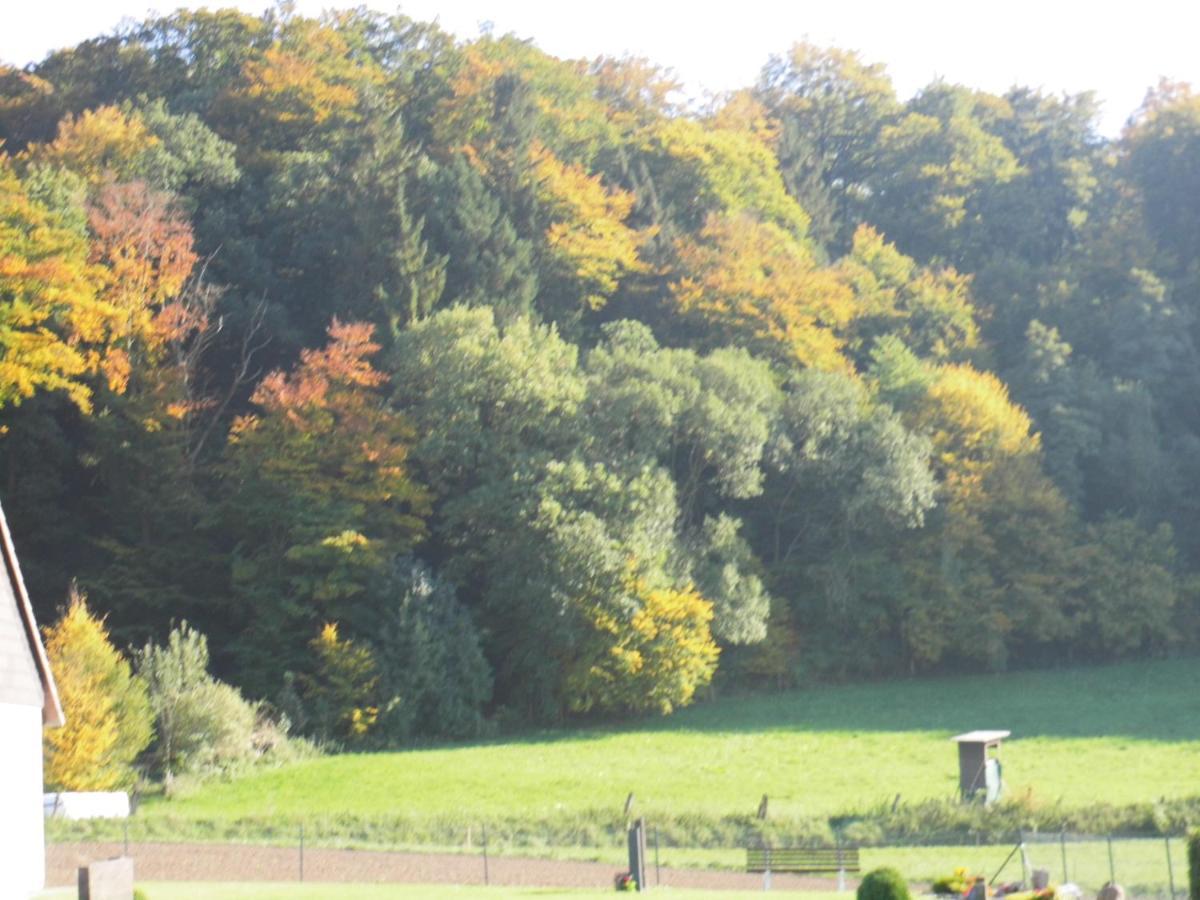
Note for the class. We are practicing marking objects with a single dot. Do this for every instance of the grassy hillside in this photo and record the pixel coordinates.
(1121, 735)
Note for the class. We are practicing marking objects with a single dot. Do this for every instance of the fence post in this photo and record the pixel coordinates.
(1062, 843)
(636, 842)
(486, 880)
(301, 851)
(1025, 866)
(126, 823)
(657, 871)
(1170, 867)
(1112, 870)
(767, 871)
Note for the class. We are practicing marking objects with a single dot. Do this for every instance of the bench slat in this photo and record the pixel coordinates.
(815, 860)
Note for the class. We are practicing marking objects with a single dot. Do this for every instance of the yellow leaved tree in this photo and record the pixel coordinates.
(656, 660)
(753, 284)
(50, 300)
(342, 693)
(109, 721)
(973, 424)
(99, 145)
(589, 245)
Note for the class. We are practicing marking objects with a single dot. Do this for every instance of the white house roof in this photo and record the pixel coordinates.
(52, 713)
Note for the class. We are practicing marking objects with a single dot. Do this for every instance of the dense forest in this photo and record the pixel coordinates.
(451, 384)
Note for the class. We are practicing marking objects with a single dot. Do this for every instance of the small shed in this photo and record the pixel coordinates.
(978, 766)
(28, 701)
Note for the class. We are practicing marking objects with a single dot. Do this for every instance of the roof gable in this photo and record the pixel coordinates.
(52, 713)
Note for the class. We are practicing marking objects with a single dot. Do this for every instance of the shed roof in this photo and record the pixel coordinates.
(980, 737)
(52, 713)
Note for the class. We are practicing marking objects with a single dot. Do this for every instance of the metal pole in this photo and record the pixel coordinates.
(485, 859)
(1112, 873)
(658, 872)
(301, 851)
(1005, 863)
(1170, 867)
(1025, 867)
(126, 837)
(1062, 843)
(841, 868)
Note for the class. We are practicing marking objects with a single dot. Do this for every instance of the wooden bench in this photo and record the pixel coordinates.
(803, 861)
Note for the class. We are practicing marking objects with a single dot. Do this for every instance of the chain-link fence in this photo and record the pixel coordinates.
(1146, 867)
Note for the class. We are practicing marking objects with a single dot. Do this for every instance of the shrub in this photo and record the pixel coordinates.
(883, 884)
(202, 723)
(109, 721)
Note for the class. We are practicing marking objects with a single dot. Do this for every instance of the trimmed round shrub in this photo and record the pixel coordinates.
(883, 884)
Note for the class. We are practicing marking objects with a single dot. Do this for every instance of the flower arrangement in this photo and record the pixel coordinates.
(624, 882)
(958, 883)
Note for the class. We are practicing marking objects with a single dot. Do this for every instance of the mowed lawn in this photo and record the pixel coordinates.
(1117, 734)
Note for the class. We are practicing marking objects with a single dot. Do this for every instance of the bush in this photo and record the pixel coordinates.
(883, 884)
(202, 723)
(1193, 852)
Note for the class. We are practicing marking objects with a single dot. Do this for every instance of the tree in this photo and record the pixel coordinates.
(487, 262)
(102, 144)
(1160, 145)
(934, 165)
(929, 309)
(306, 84)
(109, 720)
(199, 721)
(752, 284)
(323, 498)
(694, 171)
(831, 107)
(341, 695)
(557, 491)
(1129, 592)
(52, 317)
(588, 245)
(973, 423)
(433, 675)
(658, 659)
(847, 481)
(708, 419)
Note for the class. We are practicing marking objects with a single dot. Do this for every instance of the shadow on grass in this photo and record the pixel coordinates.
(1143, 700)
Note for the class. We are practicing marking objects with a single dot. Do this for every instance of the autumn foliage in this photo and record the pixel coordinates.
(293, 308)
(108, 717)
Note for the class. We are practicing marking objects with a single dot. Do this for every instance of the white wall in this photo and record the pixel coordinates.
(22, 845)
(87, 805)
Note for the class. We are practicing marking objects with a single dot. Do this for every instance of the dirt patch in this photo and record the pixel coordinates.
(241, 862)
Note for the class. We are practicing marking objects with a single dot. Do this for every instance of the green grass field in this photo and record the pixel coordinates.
(1121, 735)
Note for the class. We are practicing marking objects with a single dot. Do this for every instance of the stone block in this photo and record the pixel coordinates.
(109, 879)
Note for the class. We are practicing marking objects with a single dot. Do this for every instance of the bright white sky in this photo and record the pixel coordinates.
(1117, 48)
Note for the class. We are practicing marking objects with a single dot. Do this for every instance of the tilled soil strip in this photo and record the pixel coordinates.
(242, 862)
